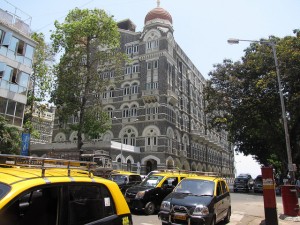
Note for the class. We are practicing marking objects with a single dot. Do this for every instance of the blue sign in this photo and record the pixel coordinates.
(25, 144)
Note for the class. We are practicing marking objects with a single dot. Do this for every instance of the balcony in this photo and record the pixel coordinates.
(15, 20)
(150, 95)
(172, 97)
(197, 134)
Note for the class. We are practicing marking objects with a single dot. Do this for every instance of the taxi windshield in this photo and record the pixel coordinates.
(151, 181)
(4, 189)
(197, 187)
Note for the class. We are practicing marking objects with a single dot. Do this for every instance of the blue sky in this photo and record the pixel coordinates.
(201, 27)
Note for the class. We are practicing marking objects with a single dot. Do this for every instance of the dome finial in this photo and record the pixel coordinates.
(158, 3)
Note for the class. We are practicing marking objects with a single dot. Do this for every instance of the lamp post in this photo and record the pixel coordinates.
(286, 132)
(121, 166)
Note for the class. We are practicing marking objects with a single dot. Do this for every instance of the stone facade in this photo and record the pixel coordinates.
(158, 107)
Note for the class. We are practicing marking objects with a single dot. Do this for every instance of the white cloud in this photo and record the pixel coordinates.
(246, 164)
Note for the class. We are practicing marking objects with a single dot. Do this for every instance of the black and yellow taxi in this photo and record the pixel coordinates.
(148, 195)
(201, 200)
(44, 191)
(125, 179)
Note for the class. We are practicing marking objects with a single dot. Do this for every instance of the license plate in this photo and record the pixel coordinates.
(180, 217)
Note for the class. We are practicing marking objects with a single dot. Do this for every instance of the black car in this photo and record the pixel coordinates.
(197, 200)
(258, 184)
(125, 179)
(148, 195)
(243, 182)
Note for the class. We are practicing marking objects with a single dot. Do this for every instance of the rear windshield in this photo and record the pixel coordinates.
(119, 179)
(4, 189)
(151, 181)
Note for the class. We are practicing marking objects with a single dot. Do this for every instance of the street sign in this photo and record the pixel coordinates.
(25, 144)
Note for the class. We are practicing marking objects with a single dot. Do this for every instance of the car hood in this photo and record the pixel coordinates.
(188, 199)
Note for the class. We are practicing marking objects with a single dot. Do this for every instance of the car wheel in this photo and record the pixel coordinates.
(227, 218)
(149, 208)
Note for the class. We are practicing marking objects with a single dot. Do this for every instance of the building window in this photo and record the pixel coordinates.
(128, 70)
(136, 68)
(149, 65)
(155, 64)
(134, 88)
(126, 90)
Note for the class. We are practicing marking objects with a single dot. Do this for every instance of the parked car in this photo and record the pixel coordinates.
(197, 200)
(39, 191)
(125, 179)
(148, 195)
(243, 182)
(258, 184)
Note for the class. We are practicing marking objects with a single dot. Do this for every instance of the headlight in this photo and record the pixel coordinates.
(201, 210)
(140, 194)
(165, 205)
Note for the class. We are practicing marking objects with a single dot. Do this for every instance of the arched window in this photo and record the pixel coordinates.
(126, 112)
(134, 88)
(126, 89)
(134, 110)
(125, 139)
(128, 165)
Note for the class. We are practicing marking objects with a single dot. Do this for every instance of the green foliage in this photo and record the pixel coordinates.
(89, 41)
(10, 138)
(243, 98)
(41, 79)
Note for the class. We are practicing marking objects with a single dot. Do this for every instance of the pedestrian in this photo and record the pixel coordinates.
(298, 184)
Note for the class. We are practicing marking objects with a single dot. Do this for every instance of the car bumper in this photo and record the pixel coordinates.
(135, 204)
(169, 218)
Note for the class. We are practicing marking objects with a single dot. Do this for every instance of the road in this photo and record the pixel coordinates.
(245, 207)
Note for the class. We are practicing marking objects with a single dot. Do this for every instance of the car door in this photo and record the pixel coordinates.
(90, 204)
(226, 199)
(219, 202)
(39, 205)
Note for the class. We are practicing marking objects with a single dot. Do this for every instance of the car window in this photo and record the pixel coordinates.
(151, 181)
(198, 187)
(224, 187)
(36, 207)
(119, 179)
(4, 189)
(88, 203)
(135, 178)
(171, 181)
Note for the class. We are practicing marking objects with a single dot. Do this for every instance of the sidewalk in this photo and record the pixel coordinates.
(240, 218)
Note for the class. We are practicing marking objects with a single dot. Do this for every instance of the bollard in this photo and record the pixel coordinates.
(269, 195)
(290, 200)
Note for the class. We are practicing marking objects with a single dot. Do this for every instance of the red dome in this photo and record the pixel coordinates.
(158, 13)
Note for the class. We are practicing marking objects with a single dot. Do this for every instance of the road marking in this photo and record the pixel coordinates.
(146, 224)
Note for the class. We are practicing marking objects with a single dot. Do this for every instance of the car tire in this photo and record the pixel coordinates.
(149, 208)
(227, 218)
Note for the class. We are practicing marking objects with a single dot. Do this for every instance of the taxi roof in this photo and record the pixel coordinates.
(15, 168)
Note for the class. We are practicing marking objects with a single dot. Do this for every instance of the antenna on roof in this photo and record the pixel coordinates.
(158, 3)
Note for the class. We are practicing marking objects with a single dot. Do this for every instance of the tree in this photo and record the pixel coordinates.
(10, 140)
(243, 98)
(89, 41)
(41, 79)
